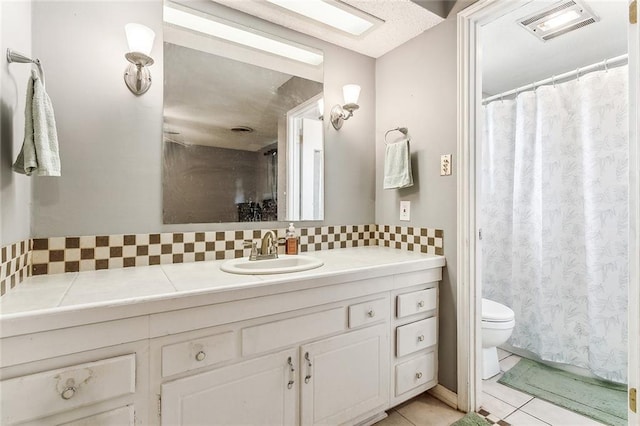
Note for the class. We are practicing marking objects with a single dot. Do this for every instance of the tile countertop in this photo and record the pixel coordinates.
(121, 293)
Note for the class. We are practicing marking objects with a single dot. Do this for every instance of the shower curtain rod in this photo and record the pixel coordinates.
(556, 78)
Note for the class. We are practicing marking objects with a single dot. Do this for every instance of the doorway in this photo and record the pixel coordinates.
(471, 23)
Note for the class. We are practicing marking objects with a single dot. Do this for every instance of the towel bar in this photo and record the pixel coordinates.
(402, 130)
(17, 57)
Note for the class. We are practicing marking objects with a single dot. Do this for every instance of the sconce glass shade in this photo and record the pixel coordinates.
(137, 76)
(321, 106)
(351, 93)
(139, 38)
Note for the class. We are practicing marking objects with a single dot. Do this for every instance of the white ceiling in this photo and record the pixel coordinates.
(403, 20)
(512, 57)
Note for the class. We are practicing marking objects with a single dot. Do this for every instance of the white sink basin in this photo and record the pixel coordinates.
(281, 265)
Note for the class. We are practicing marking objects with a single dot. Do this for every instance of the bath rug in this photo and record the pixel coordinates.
(600, 400)
(471, 419)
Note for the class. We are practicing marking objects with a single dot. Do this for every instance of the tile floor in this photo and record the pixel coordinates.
(500, 404)
(520, 409)
(423, 410)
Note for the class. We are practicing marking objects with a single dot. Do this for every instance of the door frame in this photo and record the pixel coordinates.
(469, 293)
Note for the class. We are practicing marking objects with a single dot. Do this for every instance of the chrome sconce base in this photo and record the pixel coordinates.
(137, 76)
(341, 113)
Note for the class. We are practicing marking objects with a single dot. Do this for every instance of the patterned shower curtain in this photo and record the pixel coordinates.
(554, 218)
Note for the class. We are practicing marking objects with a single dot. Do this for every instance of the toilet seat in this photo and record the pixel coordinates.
(496, 312)
(498, 325)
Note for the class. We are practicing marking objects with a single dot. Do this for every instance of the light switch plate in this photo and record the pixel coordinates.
(445, 165)
(405, 210)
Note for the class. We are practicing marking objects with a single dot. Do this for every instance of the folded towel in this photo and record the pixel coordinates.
(39, 154)
(397, 165)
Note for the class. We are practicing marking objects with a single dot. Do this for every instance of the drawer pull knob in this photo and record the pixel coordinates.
(68, 392)
(421, 304)
(421, 338)
(307, 378)
(200, 356)
(419, 375)
(371, 313)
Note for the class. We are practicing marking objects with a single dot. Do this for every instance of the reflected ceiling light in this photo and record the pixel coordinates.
(236, 34)
(335, 14)
(558, 20)
(140, 40)
(351, 93)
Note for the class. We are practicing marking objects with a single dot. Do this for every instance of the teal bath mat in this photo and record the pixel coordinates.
(471, 419)
(603, 401)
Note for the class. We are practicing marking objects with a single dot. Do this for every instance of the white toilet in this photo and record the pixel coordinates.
(497, 324)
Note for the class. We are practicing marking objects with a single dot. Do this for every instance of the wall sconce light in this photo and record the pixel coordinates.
(137, 76)
(351, 92)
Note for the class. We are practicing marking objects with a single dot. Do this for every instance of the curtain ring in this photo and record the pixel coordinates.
(501, 98)
(533, 86)
(553, 80)
(578, 74)
(606, 68)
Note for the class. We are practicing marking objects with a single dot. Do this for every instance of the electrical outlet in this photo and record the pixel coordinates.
(445, 165)
(405, 210)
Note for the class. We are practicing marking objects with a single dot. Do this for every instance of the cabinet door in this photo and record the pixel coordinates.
(256, 392)
(345, 377)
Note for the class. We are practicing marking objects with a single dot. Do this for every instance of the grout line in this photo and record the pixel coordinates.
(413, 424)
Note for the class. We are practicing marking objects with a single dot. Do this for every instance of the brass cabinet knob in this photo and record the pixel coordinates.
(371, 313)
(419, 375)
(200, 356)
(421, 304)
(421, 338)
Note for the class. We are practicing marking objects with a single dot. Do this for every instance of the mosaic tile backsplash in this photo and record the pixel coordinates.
(57, 255)
(15, 264)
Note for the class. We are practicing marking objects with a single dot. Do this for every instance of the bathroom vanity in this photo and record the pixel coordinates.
(190, 344)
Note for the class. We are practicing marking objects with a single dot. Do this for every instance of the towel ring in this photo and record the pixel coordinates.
(402, 130)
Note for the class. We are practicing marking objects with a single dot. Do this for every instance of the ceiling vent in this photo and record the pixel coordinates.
(558, 19)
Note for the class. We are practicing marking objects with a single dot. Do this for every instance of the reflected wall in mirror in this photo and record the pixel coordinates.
(243, 136)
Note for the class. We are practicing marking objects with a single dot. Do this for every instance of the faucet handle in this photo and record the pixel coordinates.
(249, 243)
(282, 241)
(254, 249)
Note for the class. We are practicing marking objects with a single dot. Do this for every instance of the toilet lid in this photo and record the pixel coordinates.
(494, 311)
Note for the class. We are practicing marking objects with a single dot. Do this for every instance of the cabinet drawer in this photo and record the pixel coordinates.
(43, 394)
(123, 416)
(416, 302)
(415, 336)
(197, 353)
(278, 334)
(368, 312)
(415, 372)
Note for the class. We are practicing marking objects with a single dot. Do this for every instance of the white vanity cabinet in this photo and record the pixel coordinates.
(103, 387)
(336, 348)
(414, 328)
(327, 364)
(344, 377)
(260, 391)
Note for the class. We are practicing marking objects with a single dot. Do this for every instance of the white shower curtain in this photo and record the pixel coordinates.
(554, 218)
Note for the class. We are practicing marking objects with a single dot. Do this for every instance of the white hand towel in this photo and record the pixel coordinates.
(39, 154)
(397, 165)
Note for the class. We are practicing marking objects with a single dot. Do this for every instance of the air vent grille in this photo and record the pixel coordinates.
(546, 13)
(558, 19)
(571, 28)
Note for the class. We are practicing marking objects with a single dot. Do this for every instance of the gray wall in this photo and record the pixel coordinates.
(416, 88)
(110, 140)
(15, 189)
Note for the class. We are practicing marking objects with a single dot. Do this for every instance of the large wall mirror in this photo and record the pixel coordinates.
(243, 132)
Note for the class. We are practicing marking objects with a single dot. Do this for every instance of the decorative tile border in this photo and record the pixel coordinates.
(57, 255)
(492, 418)
(15, 266)
(423, 240)
(332, 237)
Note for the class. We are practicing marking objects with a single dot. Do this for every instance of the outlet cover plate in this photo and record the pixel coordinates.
(405, 210)
(445, 165)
